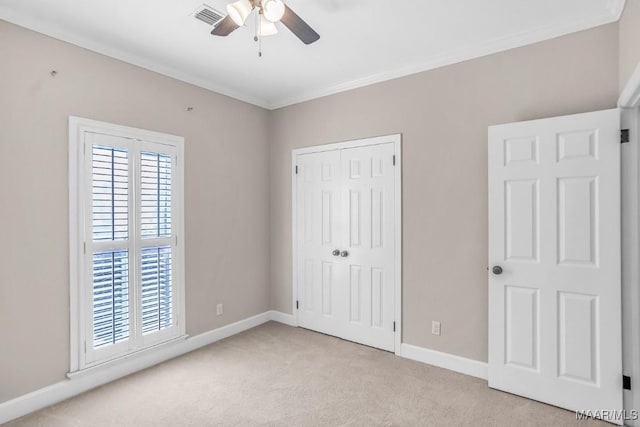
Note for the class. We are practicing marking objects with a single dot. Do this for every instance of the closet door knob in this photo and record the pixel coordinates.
(344, 254)
(336, 252)
(497, 270)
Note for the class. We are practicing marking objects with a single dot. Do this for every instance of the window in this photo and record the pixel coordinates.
(127, 287)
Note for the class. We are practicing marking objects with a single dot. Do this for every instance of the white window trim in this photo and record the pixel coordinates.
(77, 179)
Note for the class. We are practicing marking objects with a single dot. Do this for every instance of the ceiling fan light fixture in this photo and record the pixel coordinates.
(267, 28)
(239, 11)
(273, 10)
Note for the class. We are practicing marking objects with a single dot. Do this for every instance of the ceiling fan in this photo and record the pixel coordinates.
(269, 12)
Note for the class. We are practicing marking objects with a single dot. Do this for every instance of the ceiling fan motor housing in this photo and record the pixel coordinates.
(272, 11)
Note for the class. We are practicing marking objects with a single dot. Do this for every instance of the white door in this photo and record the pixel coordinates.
(322, 296)
(554, 231)
(345, 242)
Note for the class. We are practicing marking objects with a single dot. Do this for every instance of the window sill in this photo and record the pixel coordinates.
(147, 356)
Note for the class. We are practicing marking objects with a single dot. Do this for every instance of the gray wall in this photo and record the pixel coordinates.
(443, 116)
(226, 200)
(629, 40)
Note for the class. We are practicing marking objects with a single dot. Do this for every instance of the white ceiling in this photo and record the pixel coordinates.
(362, 41)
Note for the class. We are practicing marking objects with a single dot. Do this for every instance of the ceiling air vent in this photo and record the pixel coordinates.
(209, 15)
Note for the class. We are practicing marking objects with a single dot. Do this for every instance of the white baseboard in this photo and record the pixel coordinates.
(81, 382)
(223, 332)
(445, 360)
(448, 361)
(286, 318)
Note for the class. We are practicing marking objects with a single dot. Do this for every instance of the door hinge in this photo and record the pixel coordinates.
(296, 169)
(84, 247)
(624, 136)
(297, 305)
(394, 160)
(85, 346)
(626, 382)
(394, 326)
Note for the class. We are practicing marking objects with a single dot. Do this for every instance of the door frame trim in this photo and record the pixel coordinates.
(396, 139)
(630, 222)
(629, 102)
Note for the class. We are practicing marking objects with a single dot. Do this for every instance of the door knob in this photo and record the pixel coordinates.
(344, 254)
(497, 270)
(336, 252)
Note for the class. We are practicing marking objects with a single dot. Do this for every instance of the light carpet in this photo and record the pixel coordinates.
(277, 375)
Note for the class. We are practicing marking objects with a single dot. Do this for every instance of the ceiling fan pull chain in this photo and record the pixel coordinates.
(258, 35)
(255, 36)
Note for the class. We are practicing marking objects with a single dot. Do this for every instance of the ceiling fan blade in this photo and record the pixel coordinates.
(224, 27)
(298, 27)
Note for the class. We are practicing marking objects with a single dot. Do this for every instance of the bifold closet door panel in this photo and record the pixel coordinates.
(368, 213)
(321, 274)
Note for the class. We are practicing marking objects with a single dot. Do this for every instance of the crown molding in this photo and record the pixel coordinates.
(615, 9)
(59, 33)
(630, 95)
(472, 52)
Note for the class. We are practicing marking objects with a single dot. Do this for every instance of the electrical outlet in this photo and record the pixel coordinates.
(435, 327)
(219, 309)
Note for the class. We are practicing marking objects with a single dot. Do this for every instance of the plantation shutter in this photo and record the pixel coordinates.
(132, 245)
(110, 297)
(110, 237)
(126, 268)
(156, 228)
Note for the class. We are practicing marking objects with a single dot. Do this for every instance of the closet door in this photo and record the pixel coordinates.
(345, 239)
(368, 213)
(321, 272)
